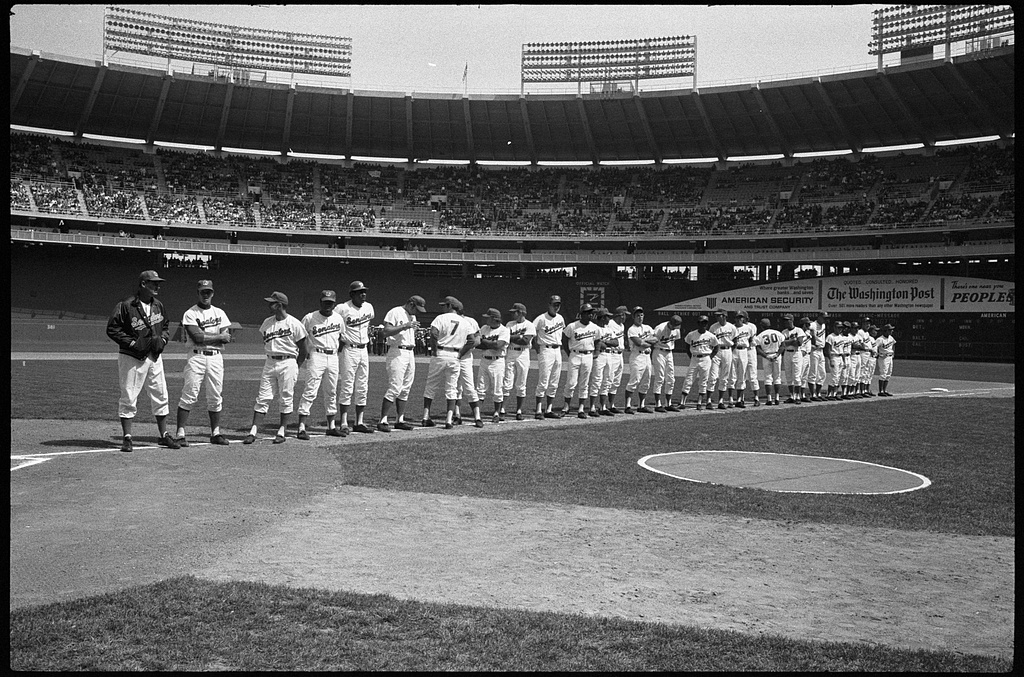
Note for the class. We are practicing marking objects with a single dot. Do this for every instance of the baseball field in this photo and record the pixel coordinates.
(525, 545)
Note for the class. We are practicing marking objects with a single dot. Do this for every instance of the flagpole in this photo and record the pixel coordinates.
(465, 82)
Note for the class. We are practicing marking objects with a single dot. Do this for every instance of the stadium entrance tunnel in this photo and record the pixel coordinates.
(787, 473)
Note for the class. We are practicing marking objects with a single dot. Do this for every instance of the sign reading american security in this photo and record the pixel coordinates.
(878, 294)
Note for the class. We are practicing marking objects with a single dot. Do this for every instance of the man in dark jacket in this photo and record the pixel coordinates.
(139, 327)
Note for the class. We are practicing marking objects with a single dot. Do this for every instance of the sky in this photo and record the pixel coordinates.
(428, 48)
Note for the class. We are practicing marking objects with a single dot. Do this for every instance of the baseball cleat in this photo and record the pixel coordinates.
(790, 400)
(126, 445)
(594, 413)
(741, 405)
(361, 428)
(496, 418)
(550, 414)
(168, 441)
(334, 432)
(219, 439)
(384, 427)
(660, 410)
(302, 435)
(798, 401)
(182, 442)
(457, 420)
(699, 406)
(478, 423)
(629, 410)
(538, 416)
(757, 402)
(402, 425)
(581, 414)
(614, 410)
(519, 416)
(279, 439)
(427, 423)
(644, 410)
(672, 408)
(448, 425)
(249, 439)
(721, 405)
(605, 412)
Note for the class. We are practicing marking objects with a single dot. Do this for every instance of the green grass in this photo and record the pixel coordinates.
(252, 626)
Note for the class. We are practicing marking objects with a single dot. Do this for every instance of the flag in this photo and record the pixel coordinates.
(465, 73)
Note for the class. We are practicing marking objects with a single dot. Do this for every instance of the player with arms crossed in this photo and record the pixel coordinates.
(517, 359)
(600, 375)
(817, 332)
(837, 365)
(641, 339)
(792, 358)
(548, 344)
(494, 340)
(768, 344)
(579, 342)
(742, 344)
(701, 345)
(208, 332)
(614, 341)
(721, 363)
(400, 325)
(355, 357)
(323, 331)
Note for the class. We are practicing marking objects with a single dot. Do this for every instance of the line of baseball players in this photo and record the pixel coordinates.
(332, 342)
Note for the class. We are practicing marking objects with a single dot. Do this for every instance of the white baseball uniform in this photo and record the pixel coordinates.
(400, 359)
(355, 358)
(322, 339)
(614, 331)
(491, 379)
(443, 373)
(701, 343)
(205, 363)
(280, 370)
(846, 345)
(792, 357)
(836, 359)
(581, 358)
(867, 347)
(741, 350)
(467, 384)
(770, 341)
(517, 359)
(639, 358)
(663, 367)
(721, 363)
(885, 346)
(805, 358)
(549, 356)
(816, 374)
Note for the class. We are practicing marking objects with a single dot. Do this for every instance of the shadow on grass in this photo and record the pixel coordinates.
(82, 443)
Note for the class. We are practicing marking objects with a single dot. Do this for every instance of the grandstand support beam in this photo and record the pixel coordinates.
(25, 77)
(101, 72)
(848, 139)
(408, 129)
(158, 114)
(349, 106)
(719, 150)
(927, 139)
(976, 102)
(651, 142)
(787, 148)
(286, 134)
(586, 131)
(225, 110)
(469, 130)
(526, 129)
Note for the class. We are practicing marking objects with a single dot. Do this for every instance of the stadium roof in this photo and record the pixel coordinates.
(971, 96)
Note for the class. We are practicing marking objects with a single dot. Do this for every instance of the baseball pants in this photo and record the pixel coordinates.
(698, 373)
(663, 371)
(817, 367)
(319, 366)
(467, 383)
(578, 383)
(355, 375)
(600, 375)
(639, 371)
(805, 368)
(868, 369)
(517, 368)
(401, 367)
(838, 364)
(884, 367)
(752, 369)
(491, 380)
(278, 379)
(443, 375)
(792, 367)
(773, 371)
(852, 369)
(615, 370)
(740, 368)
(721, 369)
(200, 369)
(549, 371)
(135, 376)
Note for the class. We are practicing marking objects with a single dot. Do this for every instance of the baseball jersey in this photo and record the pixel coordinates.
(452, 330)
(614, 330)
(525, 329)
(323, 332)
(281, 337)
(845, 344)
(549, 329)
(884, 345)
(862, 337)
(795, 333)
(396, 317)
(357, 322)
(819, 332)
(770, 341)
(805, 341)
(642, 332)
(667, 336)
(211, 320)
(499, 333)
(835, 344)
(473, 328)
(725, 333)
(744, 337)
(701, 342)
(581, 336)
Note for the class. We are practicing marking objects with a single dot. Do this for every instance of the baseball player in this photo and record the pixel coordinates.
(400, 325)
(494, 340)
(614, 344)
(355, 358)
(768, 343)
(641, 339)
(517, 357)
(742, 344)
(600, 375)
(870, 360)
(284, 342)
(752, 381)
(833, 351)
(700, 345)
(466, 382)
(663, 371)
(847, 349)
(208, 332)
(721, 363)
(862, 341)
(139, 327)
(323, 335)
(856, 361)
(579, 342)
(792, 358)
(885, 347)
(805, 359)
(817, 331)
(450, 334)
(548, 344)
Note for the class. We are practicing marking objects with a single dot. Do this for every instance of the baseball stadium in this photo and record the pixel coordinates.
(581, 257)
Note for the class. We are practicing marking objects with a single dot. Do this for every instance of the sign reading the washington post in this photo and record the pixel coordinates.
(870, 293)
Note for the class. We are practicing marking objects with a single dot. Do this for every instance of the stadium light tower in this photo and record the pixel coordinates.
(236, 48)
(913, 30)
(609, 61)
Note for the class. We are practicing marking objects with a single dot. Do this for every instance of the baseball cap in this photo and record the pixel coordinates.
(854, 325)
(276, 297)
(765, 322)
(888, 326)
(703, 318)
(847, 325)
(742, 313)
(149, 276)
(602, 312)
(205, 284)
(453, 302)
(823, 313)
(675, 320)
(718, 311)
(493, 313)
(555, 299)
(329, 295)
(638, 309)
(805, 320)
(356, 287)
(517, 306)
(787, 316)
(586, 308)
(621, 310)
(419, 303)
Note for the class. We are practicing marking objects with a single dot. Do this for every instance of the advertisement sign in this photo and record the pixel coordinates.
(859, 294)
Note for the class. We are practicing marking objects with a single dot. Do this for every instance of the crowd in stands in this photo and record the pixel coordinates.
(899, 212)
(19, 196)
(958, 207)
(288, 215)
(117, 204)
(56, 198)
(198, 173)
(839, 180)
(172, 208)
(221, 212)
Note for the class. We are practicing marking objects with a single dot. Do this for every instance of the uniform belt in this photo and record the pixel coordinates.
(281, 357)
(616, 351)
(583, 352)
(206, 352)
(521, 349)
(325, 352)
(791, 350)
(493, 357)
(454, 350)
(547, 345)
(355, 345)
(407, 347)
(643, 352)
